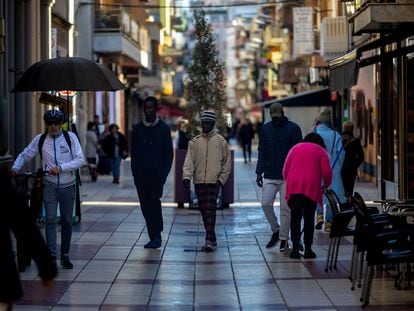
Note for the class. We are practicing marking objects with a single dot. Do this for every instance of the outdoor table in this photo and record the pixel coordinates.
(387, 203)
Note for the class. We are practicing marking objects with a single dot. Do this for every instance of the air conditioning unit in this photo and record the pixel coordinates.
(334, 37)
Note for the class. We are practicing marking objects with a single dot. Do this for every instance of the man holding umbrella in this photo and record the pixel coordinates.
(61, 155)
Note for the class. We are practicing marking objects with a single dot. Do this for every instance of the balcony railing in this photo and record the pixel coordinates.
(372, 16)
(116, 20)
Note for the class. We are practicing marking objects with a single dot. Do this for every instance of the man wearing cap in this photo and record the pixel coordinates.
(276, 138)
(151, 160)
(208, 164)
(333, 143)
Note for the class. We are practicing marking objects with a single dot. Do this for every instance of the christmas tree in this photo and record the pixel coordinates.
(205, 86)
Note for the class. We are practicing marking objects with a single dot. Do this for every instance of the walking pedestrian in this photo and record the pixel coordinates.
(61, 156)
(334, 147)
(16, 218)
(208, 165)
(182, 139)
(245, 137)
(354, 156)
(91, 149)
(115, 147)
(276, 138)
(306, 165)
(151, 160)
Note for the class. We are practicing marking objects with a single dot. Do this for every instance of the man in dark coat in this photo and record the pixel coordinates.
(276, 138)
(151, 160)
(246, 134)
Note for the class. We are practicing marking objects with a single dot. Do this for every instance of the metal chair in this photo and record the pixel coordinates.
(382, 240)
(342, 217)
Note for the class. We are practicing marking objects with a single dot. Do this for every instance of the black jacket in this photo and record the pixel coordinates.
(275, 141)
(108, 145)
(354, 154)
(152, 150)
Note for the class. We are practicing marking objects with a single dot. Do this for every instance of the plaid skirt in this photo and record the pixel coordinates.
(207, 203)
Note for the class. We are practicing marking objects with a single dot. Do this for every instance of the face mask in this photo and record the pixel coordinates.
(277, 120)
(207, 127)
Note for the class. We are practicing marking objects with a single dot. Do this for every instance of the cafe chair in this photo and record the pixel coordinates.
(342, 216)
(364, 215)
(387, 248)
(384, 242)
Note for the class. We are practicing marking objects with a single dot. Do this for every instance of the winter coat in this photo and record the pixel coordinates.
(275, 141)
(111, 145)
(152, 151)
(91, 144)
(246, 134)
(354, 154)
(305, 166)
(208, 159)
(333, 143)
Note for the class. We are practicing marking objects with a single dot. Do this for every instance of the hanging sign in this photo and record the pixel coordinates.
(67, 93)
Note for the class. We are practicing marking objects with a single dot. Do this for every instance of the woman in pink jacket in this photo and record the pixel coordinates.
(307, 173)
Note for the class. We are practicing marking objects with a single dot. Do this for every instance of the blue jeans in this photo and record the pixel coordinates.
(115, 166)
(65, 197)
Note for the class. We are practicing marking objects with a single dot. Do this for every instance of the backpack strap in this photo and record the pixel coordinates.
(333, 144)
(68, 141)
(41, 142)
(43, 137)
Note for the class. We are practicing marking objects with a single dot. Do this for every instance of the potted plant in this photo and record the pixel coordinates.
(204, 90)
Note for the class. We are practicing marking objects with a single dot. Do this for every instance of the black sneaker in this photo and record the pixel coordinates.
(309, 254)
(295, 253)
(156, 243)
(65, 262)
(282, 245)
(273, 240)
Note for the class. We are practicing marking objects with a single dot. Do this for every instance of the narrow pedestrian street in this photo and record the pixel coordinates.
(112, 270)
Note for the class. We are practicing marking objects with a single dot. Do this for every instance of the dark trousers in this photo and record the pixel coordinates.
(17, 218)
(300, 205)
(207, 203)
(247, 150)
(149, 188)
(92, 168)
(348, 179)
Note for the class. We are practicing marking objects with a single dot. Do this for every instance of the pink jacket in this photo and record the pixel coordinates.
(306, 171)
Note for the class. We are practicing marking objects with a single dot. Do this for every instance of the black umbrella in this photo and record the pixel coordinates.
(67, 74)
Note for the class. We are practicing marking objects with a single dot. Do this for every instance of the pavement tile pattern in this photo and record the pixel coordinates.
(112, 271)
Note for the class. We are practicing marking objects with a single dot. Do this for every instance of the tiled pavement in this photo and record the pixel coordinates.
(114, 272)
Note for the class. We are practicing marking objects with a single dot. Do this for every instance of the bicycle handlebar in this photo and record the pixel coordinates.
(31, 174)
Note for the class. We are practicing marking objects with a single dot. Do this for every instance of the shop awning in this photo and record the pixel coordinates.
(343, 71)
(314, 98)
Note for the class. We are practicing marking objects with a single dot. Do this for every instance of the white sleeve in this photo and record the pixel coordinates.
(27, 154)
(78, 158)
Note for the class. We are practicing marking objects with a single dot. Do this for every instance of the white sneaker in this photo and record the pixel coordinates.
(209, 247)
